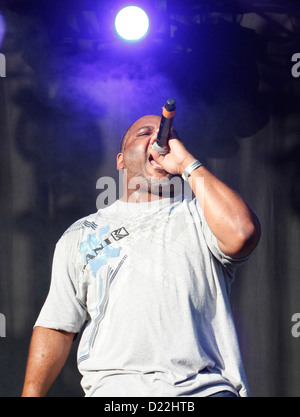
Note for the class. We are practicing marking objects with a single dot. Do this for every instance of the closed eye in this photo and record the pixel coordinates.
(145, 131)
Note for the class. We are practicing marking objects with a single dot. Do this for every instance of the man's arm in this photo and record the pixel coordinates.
(230, 219)
(49, 350)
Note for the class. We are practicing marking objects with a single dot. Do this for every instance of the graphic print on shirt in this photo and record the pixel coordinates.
(97, 250)
(103, 298)
(79, 225)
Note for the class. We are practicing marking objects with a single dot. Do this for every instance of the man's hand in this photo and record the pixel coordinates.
(178, 157)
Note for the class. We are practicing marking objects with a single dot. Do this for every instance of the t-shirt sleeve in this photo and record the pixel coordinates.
(62, 310)
(212, 242)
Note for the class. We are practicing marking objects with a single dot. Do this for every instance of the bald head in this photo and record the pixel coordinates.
(124, 139)
(142, 122)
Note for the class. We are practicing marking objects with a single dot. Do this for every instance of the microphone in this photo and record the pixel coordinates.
(168, 113)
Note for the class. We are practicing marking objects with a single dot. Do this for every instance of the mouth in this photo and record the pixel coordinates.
(153, 163)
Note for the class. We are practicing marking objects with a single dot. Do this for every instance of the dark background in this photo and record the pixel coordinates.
(71, 90)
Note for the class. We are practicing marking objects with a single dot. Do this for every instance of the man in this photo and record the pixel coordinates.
(148, 280)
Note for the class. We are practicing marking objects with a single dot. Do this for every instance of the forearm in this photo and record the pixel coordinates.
(49, 350)
(234, 224)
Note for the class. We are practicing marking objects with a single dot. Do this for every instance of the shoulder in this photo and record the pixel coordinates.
(75, 232)
(87, 225)
(90, 222)
(191, 206)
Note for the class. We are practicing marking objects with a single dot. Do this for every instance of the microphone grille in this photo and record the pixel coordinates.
(170, 105)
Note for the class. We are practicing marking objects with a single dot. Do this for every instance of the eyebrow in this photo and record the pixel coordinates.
(145, 127)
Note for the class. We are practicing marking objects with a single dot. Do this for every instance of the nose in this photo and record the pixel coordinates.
(153, 137)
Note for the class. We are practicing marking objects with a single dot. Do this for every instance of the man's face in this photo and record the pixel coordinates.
(137, 159)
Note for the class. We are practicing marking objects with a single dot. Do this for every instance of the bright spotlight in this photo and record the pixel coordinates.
(132, 23)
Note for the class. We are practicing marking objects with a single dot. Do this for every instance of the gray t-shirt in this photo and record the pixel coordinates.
(149, 287)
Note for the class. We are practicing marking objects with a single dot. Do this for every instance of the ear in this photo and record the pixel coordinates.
(120, 161)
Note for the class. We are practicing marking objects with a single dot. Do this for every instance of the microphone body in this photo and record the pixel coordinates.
(168, 113)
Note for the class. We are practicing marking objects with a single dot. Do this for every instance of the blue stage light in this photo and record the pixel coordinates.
(132, 23)
(2, 28)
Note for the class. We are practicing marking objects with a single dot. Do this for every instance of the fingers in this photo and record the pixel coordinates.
(174, 134)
